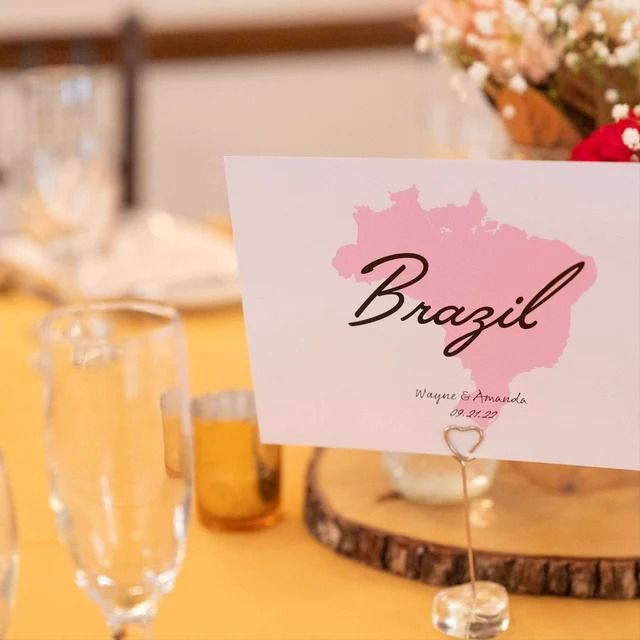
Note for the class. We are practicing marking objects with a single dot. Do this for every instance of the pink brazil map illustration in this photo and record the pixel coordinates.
(501, 299)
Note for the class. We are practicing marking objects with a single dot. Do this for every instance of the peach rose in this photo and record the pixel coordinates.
(536, 58)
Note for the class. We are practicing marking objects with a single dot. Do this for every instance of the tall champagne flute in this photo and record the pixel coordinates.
(8, 549)
(118, 441)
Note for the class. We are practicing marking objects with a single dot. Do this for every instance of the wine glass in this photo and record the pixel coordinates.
(64, 176)
(119, 471)
(8, 549)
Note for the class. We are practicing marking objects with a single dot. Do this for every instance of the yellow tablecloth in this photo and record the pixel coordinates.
(278, 584)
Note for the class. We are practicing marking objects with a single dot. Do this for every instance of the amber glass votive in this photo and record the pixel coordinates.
(237, 477)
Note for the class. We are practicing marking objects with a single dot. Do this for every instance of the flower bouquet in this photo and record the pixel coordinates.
(553, 69)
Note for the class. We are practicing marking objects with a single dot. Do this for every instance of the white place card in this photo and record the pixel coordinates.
(387, 299)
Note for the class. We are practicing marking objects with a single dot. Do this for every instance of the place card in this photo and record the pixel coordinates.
(387, 299)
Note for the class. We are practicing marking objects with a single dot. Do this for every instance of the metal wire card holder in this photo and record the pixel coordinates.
(475, 609)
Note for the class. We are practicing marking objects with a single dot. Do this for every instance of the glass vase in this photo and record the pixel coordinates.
(457, 121)
(456, 117)
(429, 479)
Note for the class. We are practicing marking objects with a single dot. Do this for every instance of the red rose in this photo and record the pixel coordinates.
(606, 145)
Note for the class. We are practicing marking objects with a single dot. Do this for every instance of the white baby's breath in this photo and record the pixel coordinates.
(627, 53)
(472, 39)
(611, 95)
(631, 138)
(437, 25)
(626, 31)
(624, 6)
(636, 111)
(620, 112)
(508, 112)
(569, 14)
(508, 65)
(484, 22)
(600, 27)
(516, 13)
(600, 49)
(478, 72)
(531, 24)
(571, 59)
(535, 5)
(549, 18)
(452, 34)
(612, 61)
(423, 43)
(595, 17)
(518, 84)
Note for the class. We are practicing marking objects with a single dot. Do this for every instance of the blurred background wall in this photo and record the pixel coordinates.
(359, 102)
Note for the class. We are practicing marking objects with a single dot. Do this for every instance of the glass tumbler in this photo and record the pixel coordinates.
(237, 477)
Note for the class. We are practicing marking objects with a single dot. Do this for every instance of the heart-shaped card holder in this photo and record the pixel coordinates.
(472, 446)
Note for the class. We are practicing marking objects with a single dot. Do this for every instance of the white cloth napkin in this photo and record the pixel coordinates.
(152, 255)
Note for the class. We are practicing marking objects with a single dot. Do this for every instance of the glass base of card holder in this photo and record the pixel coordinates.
(460, 614)
(474, 609)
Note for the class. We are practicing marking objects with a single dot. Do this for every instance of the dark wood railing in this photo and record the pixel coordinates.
(185, 43)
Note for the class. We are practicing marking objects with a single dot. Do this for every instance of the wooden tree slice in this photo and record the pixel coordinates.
(528, 537)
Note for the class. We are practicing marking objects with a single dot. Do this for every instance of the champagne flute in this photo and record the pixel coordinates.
(8, 549)
(119, 472)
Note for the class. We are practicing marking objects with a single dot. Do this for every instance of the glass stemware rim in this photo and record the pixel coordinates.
(240, 405)
(157, 309)
(54, 73)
